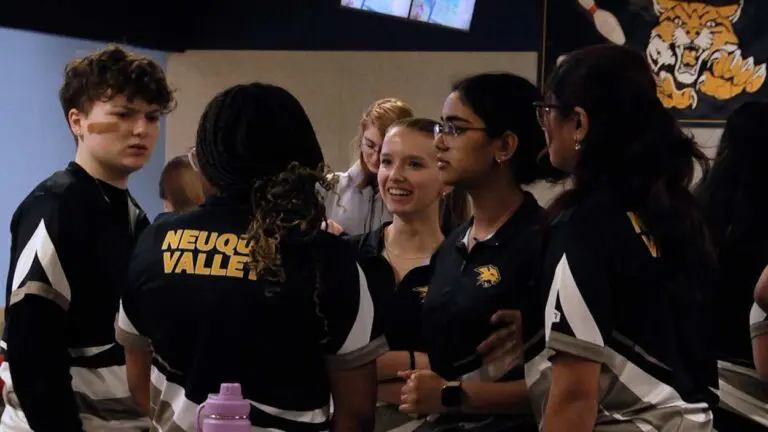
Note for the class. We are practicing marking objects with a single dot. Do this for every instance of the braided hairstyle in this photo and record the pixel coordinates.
(256, 145)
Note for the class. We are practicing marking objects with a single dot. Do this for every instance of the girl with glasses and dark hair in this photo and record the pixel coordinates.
(488, 146)
(629, 267)
(248, 288)
(734, 203)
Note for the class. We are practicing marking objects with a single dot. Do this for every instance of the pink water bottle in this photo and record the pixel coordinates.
(225, 412)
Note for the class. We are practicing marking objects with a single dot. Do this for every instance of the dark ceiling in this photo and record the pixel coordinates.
(173, 25)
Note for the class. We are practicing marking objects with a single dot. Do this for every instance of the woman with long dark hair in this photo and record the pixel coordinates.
(628, 266)
(733, 198)
(488, 144)
(249, 288)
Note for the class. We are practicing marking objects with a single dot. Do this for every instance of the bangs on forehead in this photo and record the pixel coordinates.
(132, 95)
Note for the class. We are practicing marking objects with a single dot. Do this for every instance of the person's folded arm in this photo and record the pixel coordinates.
(354, 342)
(43, 232)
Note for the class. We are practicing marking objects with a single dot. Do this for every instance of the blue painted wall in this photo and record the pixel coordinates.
(35, 140)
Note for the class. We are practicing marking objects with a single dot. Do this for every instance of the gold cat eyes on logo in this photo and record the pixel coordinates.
(488, 276)
(422, 291)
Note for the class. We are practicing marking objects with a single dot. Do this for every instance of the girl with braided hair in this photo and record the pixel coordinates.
(248, 288)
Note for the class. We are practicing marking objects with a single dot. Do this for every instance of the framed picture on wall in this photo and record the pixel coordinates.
(708, 56)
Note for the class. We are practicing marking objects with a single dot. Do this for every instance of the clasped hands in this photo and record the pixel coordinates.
(421, 394)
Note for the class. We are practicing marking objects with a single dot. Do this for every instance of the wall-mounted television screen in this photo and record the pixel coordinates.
(450, 13)
(398, 8)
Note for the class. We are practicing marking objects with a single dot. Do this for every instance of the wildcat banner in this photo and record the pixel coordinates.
(708, 56)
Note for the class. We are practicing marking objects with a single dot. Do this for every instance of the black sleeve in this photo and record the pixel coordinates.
(130, 328)
(36, 315)
(758, 321)
(355, 332)
(578, 308)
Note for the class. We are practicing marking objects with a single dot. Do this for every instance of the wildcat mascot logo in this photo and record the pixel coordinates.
(694, 50)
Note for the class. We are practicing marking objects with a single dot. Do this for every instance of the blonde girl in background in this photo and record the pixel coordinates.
(355, 206)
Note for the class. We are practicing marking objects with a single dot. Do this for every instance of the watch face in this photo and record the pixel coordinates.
(450, 396)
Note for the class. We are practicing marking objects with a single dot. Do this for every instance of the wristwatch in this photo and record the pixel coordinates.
(452, 395)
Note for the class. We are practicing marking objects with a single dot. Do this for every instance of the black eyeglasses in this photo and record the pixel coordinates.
(543, 110)
(453, 130)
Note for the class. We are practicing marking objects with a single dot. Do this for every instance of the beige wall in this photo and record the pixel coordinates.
(335, 87)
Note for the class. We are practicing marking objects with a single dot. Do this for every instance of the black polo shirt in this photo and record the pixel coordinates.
(71, 240)
(193, 296)
(397, 304)
(743, 400)
(610, 301)
(468, 287)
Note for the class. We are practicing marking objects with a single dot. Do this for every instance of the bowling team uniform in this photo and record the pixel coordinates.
(609, 301)
(194, 299)
(398, 305)
(71, 241)
(743, 403)
(467, 288)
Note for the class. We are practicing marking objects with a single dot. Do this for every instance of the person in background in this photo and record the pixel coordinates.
(71, 240)
(354, 206)
(628, 267)
(248, 288)
(181, 186)
(733, 199)
(488, 145)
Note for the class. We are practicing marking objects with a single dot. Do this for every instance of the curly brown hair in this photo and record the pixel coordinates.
(111, 72)
(288, 206)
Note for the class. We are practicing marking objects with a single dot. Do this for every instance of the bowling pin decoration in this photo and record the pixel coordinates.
(605, 22)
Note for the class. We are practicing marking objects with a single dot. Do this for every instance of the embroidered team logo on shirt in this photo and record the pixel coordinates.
(422, 291)
(488, 276)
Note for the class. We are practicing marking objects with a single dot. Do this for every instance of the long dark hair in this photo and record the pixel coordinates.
(503, 102)
(256, 145)
(634, 149)
(733, 196)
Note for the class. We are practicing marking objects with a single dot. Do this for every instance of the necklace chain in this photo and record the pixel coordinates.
(391, 252)
(473, 239)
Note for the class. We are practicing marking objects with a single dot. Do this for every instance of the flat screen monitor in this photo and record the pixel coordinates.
(398, 8)
(449, 13)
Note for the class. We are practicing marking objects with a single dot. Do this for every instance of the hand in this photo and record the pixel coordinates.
(422, 361)
(670, 96)
(332, 227)
(505, 344)
(421, 393)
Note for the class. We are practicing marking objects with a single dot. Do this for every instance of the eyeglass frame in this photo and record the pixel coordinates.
(450, 129)
(543, 108)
